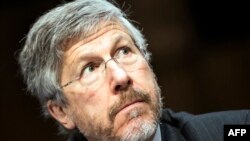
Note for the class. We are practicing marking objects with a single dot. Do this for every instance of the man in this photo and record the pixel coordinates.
(89, 68)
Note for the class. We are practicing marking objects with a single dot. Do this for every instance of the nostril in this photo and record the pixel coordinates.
(118, 87)
(123, 86)
(129, 82)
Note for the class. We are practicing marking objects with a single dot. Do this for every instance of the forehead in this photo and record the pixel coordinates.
(93, 33)
(107, 36)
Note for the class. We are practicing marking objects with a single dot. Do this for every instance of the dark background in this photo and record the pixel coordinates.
(200, 53)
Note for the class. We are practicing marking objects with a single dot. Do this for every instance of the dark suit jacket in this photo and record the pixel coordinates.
(183, 126)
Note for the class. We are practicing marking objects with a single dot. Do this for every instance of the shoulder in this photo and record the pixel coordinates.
(227, 117)
(204, 127)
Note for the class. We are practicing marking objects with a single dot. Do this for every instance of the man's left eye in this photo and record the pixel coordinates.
(124, 51)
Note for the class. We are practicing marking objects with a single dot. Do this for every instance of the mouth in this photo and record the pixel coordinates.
(128, 101)
(129, 105)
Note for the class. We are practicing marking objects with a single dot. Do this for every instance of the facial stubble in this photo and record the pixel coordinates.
(96, 129)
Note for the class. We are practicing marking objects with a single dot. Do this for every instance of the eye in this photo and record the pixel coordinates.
(124, 51)
(89, 69)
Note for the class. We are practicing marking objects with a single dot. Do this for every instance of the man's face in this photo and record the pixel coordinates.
(113, 98)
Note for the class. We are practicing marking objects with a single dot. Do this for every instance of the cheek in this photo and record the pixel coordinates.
(83, 100)
(89, 107)
(79, 95)
(144, 78)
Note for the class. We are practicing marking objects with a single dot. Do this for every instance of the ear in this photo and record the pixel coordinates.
(59, 113)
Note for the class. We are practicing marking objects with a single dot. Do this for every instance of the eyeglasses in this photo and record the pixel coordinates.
(125, 57)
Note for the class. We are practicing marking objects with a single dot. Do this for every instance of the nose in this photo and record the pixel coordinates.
(118, 77)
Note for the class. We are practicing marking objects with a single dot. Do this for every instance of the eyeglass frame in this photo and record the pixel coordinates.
(105, 65)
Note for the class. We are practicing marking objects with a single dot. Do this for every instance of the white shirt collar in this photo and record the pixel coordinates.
(157, 136)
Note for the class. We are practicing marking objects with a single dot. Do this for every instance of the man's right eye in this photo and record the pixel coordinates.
(88, 69)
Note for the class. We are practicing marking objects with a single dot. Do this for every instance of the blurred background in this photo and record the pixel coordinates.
(200, 50)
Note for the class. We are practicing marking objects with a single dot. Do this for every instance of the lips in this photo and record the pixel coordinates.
(127, 104)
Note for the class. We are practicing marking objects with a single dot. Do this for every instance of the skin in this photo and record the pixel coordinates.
(89, 106)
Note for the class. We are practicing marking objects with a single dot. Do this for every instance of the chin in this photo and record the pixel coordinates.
(139, 127)
(139, 130)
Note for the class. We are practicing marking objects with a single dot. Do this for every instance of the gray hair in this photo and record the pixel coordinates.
(42, 55)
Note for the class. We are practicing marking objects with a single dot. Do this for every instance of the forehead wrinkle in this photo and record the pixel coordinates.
(89, 52)
(92, 37)
(102, 30)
